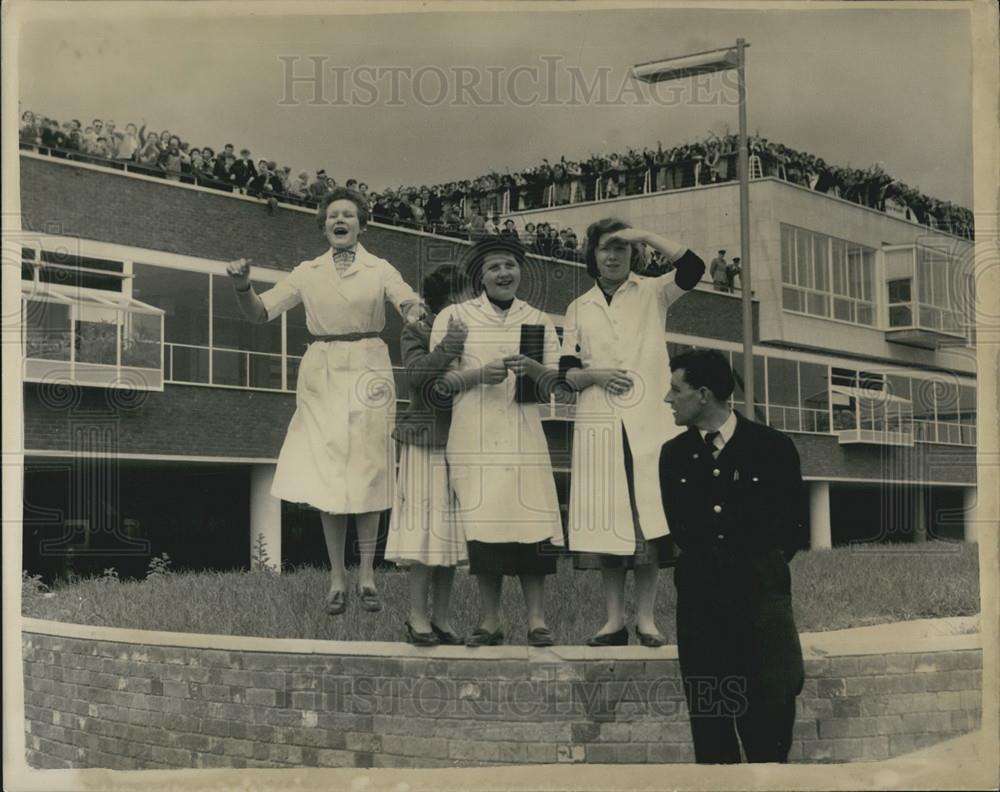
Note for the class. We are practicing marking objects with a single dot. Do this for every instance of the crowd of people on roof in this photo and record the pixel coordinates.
(472, 208)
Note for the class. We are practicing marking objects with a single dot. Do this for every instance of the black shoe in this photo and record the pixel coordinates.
(481, 637)
(420, 638)
(618, 638)
(541, 636)
(446, 637)
(652, 640)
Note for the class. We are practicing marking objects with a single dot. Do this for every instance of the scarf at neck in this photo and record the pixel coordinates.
(341, 256)
(503, 305)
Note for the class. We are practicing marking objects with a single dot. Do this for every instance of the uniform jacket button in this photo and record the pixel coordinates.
(716, 472)
(717, 509)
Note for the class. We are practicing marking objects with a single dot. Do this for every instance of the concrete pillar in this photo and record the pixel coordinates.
(265, 515)
(971, 524)
(920, 515)
(820, 531)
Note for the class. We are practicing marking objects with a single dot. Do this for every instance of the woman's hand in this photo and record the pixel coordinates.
(522, 364)
(239, 271)
(493, 373)
(630, 236)
(414, 312)
(614, 381)
(454, 338)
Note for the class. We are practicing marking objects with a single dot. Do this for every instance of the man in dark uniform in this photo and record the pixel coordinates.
(734, 501)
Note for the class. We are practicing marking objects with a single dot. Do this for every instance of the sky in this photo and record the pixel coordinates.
(853, 85)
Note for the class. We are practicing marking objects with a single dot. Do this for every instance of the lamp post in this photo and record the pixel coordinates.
(709, 62)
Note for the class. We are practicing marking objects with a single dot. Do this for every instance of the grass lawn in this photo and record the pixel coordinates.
(832, 589)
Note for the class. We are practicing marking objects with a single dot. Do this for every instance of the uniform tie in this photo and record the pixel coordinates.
(710, 438)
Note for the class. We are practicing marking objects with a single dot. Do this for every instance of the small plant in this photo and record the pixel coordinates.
(260, 560)
(159, 567)
(31, 586)
(110, 575)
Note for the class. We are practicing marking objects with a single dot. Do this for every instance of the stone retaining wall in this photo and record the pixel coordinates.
(124, 699)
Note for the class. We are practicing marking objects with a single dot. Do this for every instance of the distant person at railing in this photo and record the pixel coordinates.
(317, 189)
(149, 154)
(718, 271)
(734, 274)
(338, 452)
(614, 358)
(30, 131)
(128, 142)
(299, 188)
(417, 210)
(528, 240)
(509, 230)
(244, 169)
(52, 136)
(266, 182)
(170, 159)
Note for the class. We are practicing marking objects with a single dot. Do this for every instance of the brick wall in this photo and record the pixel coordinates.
(93, 702)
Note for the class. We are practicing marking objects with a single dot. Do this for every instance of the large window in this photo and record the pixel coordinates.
(828, 277)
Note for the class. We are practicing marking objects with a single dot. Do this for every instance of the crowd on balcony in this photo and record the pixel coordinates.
(472, 208)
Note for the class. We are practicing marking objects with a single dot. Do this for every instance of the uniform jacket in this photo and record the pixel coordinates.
(748, 500)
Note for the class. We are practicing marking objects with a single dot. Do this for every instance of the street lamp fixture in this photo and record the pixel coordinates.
(709, 62)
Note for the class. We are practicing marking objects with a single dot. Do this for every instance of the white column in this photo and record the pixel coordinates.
(971, 527)
(820, 532)
(265, 514)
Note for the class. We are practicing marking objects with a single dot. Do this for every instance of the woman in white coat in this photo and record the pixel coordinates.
(498, 457)
(338, 452)
(616, 358)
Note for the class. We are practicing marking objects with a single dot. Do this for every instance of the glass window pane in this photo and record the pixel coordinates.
(820, 264)
(97, 335)
(47, 330)
(946, 393)
(792, 299)
(899, 290)
(141, 341)
(67, 270)
(865, 313)
(265, 371)
(898, 385)
(182, 295)
(292, 367)
(842, 309)
(297, 336)
(782, 381)
(187, 364)
(787, 255)
(923, 409)
(817, 304)
(229, 368)
(758, 382)
(867, 274)
(231, 330)
(802, 264)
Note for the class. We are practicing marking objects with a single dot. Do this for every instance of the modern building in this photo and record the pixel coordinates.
(154, 413)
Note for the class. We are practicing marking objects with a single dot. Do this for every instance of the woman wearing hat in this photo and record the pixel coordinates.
(338, 453)
(498, 457)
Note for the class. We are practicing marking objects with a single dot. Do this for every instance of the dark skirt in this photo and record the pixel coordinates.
(659, 551)
(512, 558)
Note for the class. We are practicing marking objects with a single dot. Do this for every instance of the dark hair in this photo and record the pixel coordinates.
(594, 233)
(475, 257)
(440, 286)
(342, 194)
(228, 145)
(706, 368)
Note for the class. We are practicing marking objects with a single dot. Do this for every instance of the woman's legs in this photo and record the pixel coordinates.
(645, 597)
(335, 533)
(442, 577)
(490, 587)
(367, 525)
(533, 588)
(419, 579)
(613, 581)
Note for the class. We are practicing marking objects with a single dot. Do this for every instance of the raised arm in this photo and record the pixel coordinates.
(263, 308)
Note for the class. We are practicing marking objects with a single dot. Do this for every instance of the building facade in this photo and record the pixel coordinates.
(154, 413)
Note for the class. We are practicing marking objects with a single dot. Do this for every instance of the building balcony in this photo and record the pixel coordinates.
(930, 295)
(85, 337)
(865, 416)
